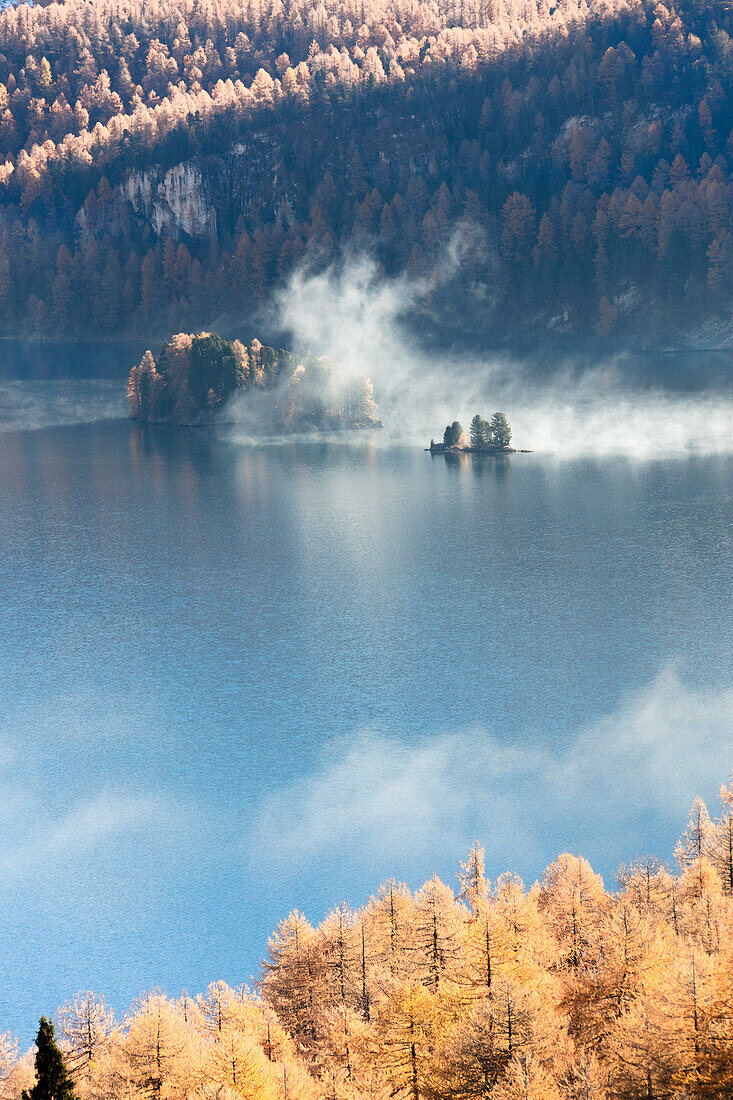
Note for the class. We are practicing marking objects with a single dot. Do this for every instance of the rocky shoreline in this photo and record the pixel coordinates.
(442, 449)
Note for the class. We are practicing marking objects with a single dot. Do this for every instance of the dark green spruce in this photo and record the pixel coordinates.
(52, 1077)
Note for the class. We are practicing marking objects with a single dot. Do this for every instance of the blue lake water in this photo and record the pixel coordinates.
(236, 680)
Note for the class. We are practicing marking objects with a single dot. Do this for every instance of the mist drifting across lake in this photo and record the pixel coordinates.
(240, 679)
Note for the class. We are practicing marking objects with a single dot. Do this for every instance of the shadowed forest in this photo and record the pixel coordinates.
(563, 990)
(538, 166)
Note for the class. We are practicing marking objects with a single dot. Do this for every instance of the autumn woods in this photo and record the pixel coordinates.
(196, 376)
(563, 990)
(515, 169)
(163, 163)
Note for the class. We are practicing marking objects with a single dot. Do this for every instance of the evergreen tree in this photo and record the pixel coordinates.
(52, 1077)
(452, 434)
(501, 433)
(214, 365)
(477, 431)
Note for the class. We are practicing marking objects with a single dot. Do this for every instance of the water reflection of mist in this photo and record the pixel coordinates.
(373, 794)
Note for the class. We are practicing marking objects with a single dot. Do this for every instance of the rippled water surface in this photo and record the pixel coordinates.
(237, 680)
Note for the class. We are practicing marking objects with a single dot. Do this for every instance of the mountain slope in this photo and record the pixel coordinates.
(168, 163)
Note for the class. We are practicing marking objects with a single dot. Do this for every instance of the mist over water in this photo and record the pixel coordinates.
(30, 404)
(642, 407)
(360, 320)
(238, 679)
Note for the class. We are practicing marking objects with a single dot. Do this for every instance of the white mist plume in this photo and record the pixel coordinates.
(249, 412)
(354, 315)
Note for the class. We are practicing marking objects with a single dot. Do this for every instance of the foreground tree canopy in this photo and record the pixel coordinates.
(162, 163)
(196, 376)
(563, 990)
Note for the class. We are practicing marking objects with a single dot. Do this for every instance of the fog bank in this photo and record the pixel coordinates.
(360, 319)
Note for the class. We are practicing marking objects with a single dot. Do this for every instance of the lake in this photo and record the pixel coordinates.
(239, 679)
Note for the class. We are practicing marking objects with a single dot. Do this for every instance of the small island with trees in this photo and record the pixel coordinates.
(485, 437)
(204, 379)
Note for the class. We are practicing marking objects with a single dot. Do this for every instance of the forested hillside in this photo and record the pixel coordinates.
(565, 990)
(164, 162)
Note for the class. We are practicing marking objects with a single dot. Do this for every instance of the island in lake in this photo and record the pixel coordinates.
(203, 378)
(486, 437)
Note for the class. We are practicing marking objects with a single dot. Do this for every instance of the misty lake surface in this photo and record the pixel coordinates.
(238, 680)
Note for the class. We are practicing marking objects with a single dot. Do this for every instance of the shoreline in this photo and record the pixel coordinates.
(441, 449)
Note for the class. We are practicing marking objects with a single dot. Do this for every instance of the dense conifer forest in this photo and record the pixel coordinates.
(167, 162)
(563, 990)
(196, 377)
